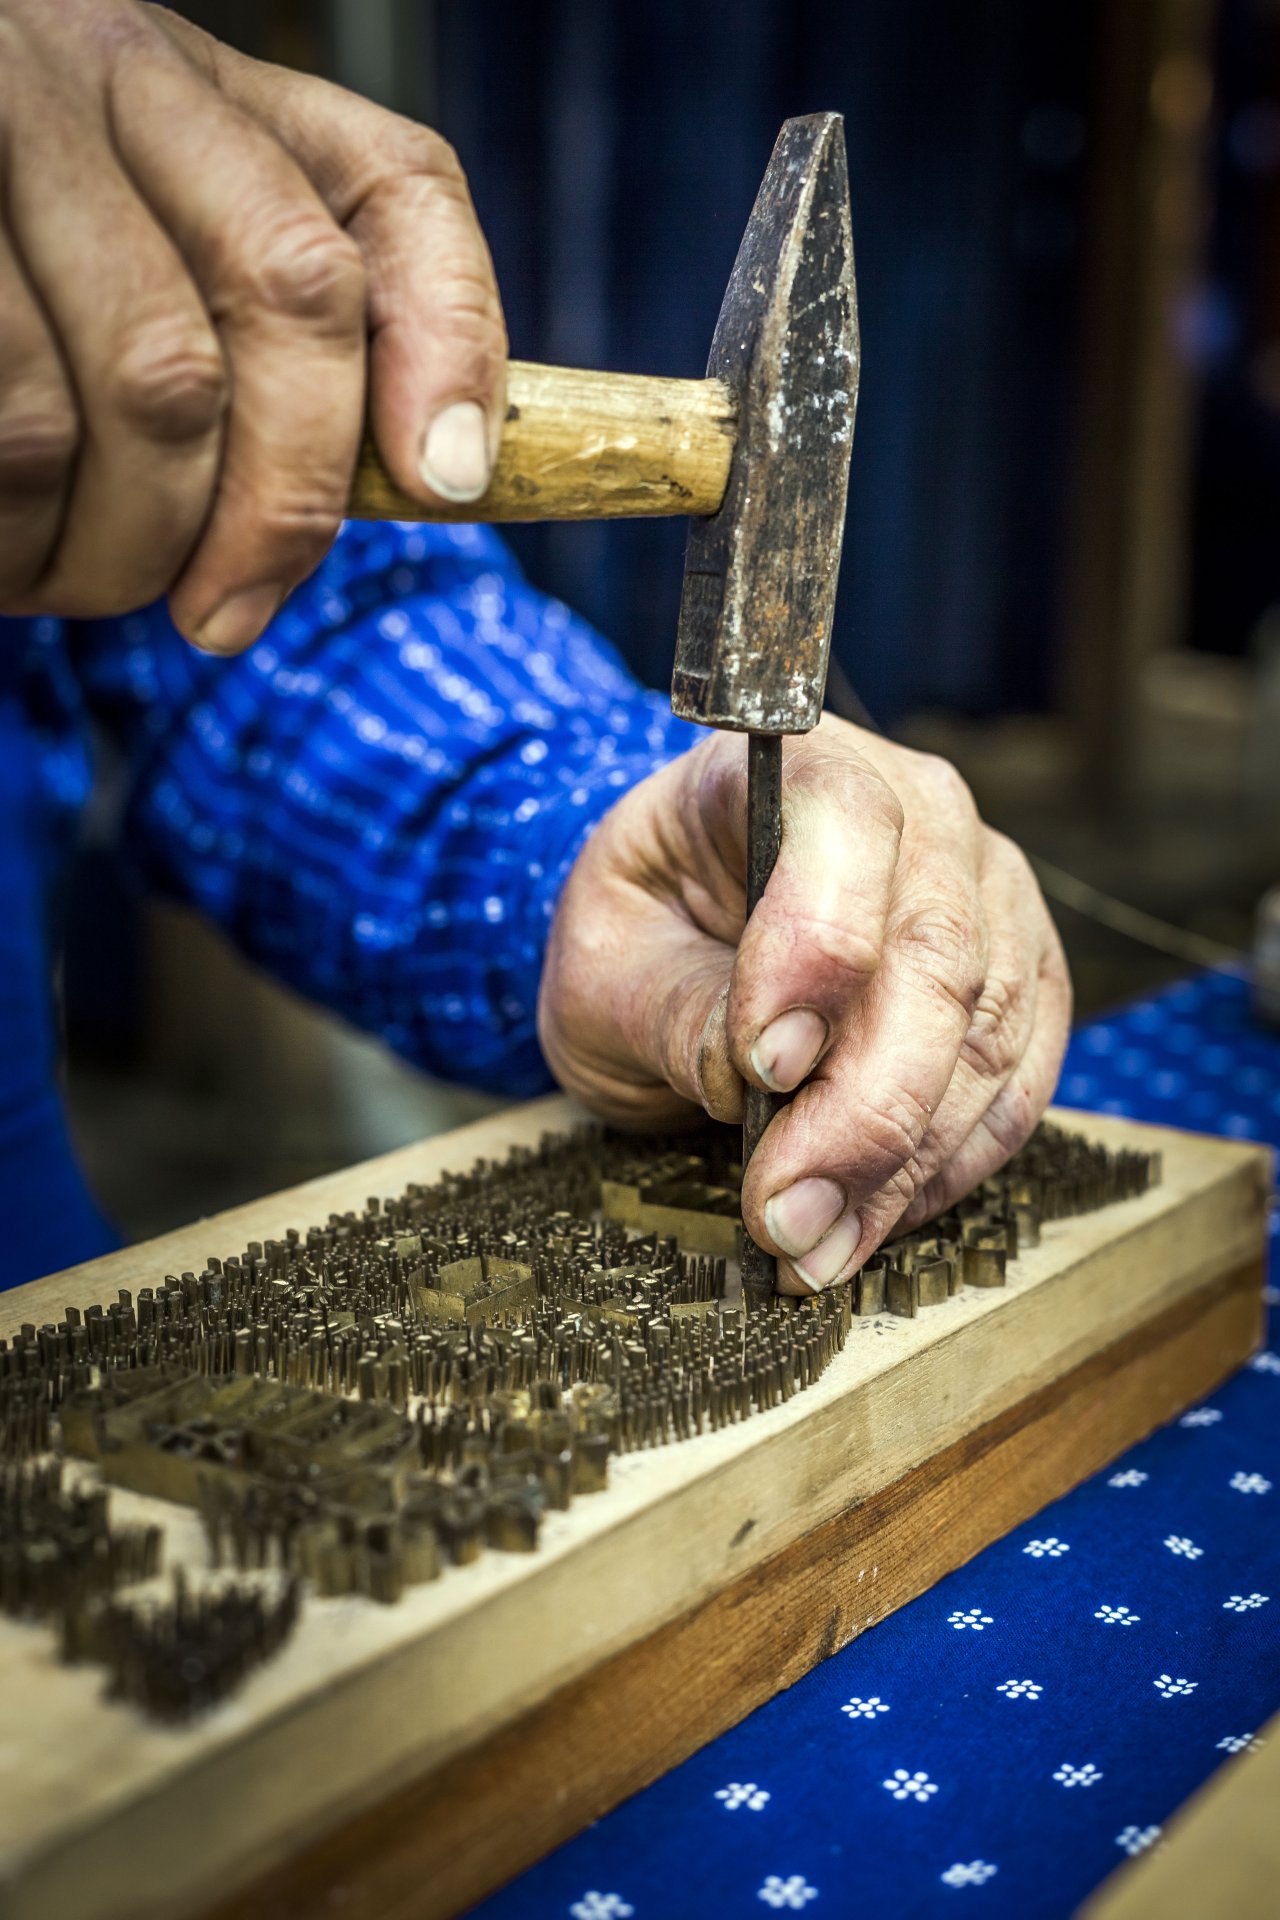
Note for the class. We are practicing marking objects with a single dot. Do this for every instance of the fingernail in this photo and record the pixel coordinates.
(826, 1264)
(788, 1048)
(240, 619)
(798, 1217)
(455, 454)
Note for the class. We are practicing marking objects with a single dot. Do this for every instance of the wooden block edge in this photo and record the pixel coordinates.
(437, 1845)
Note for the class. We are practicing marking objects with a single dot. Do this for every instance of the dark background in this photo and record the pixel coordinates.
(1062, 565)
(614, 154)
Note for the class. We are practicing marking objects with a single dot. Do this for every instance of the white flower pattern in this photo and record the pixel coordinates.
(1201, 1417)
(1117, 1616)
(1250, 1483)
(1238, 1742)
(1265, 1363)
(1020, 1689)
(738, 1794)
(1072, 1776)
(601, 1906)
(910, 1786)
(970, 1617)
(972, 1875)
(793, 1892)
(1129, 1477)
(1245, 1602)
(1177, 1543)
(859, 1709)
(1051, 1549)
(1134, 1840)
(1167, 1687)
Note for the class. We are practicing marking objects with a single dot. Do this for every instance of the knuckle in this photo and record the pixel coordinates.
(717, 773)
(821, 766)
(169, 381)
(470, 350)
(890, 813)
(1011, 856)
(421, 150)
(582, 955)
(310, 270)
(418, 212)
(39, 439)
(300, 530)
(121, 31)
(473, 332)
(881, 809)
(992, 1045)
(897, 1200)
(946, 787)
(902, 1189)
(890, 1135)
(939, 1191)
(1010, 1121)
(854, 953)
(939, 943)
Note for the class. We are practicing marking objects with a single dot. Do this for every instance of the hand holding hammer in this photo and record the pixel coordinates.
(757, 454)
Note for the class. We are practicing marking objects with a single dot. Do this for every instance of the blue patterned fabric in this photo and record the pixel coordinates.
(380, 802)
(382, 799)
(48, 1212)
(1000, 1745)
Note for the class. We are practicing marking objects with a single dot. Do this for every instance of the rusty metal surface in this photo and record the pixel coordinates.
(760, 575)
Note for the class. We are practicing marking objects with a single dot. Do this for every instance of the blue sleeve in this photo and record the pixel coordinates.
(381, 801)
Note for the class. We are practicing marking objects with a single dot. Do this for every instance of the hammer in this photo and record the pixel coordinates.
(757, 454)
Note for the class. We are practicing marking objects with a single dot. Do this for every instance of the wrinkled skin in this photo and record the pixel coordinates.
(924, 989)
(204, 262)
(208, 268)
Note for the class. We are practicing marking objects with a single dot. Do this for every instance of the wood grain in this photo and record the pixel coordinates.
(103, 1815)
(444, 1842)
(584, 446)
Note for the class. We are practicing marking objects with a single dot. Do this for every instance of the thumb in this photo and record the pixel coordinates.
(438, 344)
(437, 341)
(814, 941)
(632, 1006)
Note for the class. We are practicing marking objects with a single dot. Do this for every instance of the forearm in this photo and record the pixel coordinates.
(382, 801)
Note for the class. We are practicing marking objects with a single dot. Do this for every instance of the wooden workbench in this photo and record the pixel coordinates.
(399, 1761)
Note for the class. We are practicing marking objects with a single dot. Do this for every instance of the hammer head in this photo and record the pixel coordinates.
(760, 575)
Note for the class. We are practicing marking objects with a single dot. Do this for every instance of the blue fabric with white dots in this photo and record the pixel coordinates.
(380, 802)
(1000, 1745)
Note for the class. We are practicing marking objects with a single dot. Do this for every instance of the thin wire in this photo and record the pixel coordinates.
(1196, 949)
(1179, 942)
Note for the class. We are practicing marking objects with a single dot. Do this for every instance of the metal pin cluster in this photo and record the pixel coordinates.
(389, 1394)
(57, 1548)
(1056, 1176)
(24, 1412)
(176, 1657)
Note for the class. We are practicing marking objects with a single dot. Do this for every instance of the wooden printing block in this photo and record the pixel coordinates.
(415, 1756)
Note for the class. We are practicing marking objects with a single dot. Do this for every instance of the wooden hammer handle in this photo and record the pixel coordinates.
(585, 446)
